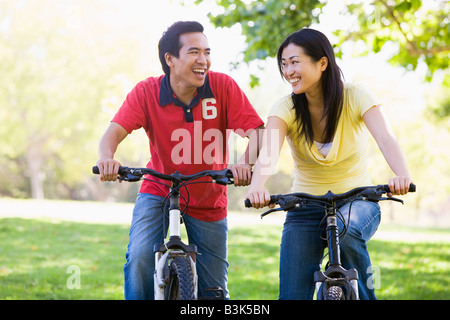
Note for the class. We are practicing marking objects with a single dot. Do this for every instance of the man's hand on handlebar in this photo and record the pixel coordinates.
(242, 174)
(109, 169)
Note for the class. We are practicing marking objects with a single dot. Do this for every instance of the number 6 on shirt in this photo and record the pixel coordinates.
(209, 108)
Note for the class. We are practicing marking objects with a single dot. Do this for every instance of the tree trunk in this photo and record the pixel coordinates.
(34, 164)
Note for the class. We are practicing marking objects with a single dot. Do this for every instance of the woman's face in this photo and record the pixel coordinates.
(303, 73)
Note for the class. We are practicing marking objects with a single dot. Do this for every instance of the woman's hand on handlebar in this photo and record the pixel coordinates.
(399, 185)
(109, 169)
(259, 198)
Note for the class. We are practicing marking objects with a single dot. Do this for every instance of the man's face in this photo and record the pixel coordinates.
(192, 65)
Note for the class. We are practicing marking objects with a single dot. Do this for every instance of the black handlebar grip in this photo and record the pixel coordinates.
(412, 188)
(248, 204)
(96, 170)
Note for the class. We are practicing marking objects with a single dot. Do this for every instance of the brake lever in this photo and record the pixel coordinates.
(129, 177)
(223, 181)
(393, 199)
(270, 211)
(286, 204)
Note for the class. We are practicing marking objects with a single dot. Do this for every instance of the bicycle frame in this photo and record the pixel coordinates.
(173, 248)
(335, 274)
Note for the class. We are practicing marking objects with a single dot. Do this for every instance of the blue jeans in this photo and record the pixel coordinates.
(147, 229)
(302, 248)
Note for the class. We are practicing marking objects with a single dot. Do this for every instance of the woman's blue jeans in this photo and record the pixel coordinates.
(147, 230)
(302, 248)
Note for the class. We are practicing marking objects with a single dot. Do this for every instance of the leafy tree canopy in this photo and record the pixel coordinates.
(420, 30)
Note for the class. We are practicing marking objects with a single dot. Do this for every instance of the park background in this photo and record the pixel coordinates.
(66, 66)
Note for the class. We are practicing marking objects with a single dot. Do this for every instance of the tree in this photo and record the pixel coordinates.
(420, 31)
(57, 64)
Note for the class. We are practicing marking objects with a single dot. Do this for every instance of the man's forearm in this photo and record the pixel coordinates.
(109, 142)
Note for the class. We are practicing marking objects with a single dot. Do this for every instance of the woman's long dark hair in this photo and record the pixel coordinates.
(316, 45)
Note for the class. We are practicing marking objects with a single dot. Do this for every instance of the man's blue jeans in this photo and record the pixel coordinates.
(302, 248)
(147, 229)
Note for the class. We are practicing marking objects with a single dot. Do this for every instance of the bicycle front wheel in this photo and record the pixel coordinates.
(181, 281)
(334, 293)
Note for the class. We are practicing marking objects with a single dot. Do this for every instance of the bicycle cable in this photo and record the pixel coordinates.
(184, 210)
(342, 233)
(184, 184)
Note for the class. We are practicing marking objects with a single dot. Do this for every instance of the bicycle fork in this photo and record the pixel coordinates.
(335, 274)
(166, 252)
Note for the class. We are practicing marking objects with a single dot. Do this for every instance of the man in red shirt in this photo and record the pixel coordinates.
(187, 114)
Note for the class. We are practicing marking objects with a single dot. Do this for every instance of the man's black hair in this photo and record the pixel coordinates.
(170, 40)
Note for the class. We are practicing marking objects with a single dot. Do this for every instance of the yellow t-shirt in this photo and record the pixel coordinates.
(345, 166)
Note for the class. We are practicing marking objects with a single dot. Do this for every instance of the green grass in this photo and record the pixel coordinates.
(254, 254)
(35, 256)
(412, 270)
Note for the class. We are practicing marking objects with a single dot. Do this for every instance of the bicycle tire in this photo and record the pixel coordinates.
(181, 281)
(334, 293)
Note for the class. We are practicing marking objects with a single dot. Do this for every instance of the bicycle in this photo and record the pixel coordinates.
(335, 283)
(175, 262)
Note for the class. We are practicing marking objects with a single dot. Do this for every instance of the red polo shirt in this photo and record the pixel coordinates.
(190, 138)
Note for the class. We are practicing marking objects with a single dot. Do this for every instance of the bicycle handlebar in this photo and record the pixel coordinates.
(372, 193)
(222, 177)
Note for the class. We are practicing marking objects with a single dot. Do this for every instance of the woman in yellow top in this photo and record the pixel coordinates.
(325, 122)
